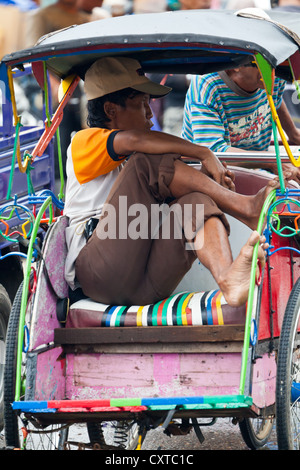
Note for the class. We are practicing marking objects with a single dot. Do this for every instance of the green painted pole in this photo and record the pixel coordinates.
(278, 159)
(247, 333)
(44, 206)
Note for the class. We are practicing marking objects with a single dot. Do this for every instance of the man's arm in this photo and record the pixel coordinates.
(288, 124)
(152, 142)
(294, 139)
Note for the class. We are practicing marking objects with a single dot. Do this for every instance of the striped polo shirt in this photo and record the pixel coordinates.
(219, 116)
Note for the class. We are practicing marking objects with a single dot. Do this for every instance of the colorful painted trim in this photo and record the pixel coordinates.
(134, 404)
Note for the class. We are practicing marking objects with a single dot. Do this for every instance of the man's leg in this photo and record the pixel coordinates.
(209, 243)
(244, 208)
(112, 270)
(215, 254)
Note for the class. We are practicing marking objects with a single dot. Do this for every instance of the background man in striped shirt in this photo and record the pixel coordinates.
(229, 112)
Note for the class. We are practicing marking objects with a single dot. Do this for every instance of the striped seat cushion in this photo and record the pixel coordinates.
(188, 308)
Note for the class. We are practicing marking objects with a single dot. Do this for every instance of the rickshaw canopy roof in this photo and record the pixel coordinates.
(194, 41)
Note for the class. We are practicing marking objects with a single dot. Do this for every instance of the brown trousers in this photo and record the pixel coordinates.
(137, 268)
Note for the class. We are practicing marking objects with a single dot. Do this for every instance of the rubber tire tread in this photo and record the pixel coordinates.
(5, 308)
(249, 436)
(10, 418)
(283, 391)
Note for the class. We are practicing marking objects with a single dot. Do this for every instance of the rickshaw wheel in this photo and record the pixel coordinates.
(288, 376)
(15, 427)
(256, 431)
(10, 419)
(22, 432)
(5, 306)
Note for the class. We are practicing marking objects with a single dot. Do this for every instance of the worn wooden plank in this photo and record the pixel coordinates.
(154, 348)
(152, 335)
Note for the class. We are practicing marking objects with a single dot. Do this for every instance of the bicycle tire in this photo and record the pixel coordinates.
(5, 307)
(49, 438)
(253, 436)
(288, 371)
(10, 418)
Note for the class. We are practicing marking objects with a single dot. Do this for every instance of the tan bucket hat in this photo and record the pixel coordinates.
(111, 74)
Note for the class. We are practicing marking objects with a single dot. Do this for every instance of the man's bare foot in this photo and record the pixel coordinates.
(235, 282)
(255, 204)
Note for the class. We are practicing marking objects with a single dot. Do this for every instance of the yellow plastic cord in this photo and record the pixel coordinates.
(281, 132)
(268, 76)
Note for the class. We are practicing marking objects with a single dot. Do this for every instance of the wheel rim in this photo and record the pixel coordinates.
(33, 438)
(262, 428)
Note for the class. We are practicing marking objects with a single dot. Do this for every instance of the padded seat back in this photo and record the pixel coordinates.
(54, 256)
(188, 308)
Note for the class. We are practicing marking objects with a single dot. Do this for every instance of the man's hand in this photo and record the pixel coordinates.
(212, 167)
(292, 171)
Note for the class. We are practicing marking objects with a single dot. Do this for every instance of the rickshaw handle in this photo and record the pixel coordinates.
(24, 297)
(56, 120)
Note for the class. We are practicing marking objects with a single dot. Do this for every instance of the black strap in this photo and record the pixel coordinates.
(198, 430)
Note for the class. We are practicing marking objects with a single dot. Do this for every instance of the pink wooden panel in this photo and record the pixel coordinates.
(50, 379)
(264, 381)
(149, 375)
(44, 321)
(146, 375)
(44, 316)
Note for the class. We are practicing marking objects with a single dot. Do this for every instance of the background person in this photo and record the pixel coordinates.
(45, 20)
(291, 97)
(228, 111)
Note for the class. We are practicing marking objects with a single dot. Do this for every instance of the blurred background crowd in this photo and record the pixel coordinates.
(22, 22)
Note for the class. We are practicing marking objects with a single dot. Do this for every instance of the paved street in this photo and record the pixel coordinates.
(223, 435)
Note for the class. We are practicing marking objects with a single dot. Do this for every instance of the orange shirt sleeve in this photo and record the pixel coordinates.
(93, 154)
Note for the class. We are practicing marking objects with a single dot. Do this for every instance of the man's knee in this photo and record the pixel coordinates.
(156, 171)
(196, 208)
(195, 198)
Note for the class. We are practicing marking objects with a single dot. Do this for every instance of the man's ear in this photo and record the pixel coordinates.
(232, 71)
(110, 109)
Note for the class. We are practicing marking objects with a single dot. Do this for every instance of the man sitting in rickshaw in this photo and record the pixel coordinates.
(121, 266)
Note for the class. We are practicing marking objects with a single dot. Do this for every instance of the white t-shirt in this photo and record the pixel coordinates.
(85, 196)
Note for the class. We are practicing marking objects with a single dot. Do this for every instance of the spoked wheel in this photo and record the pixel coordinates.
(22, 431)
(256, 431)
(32, 436)
(288, 376)
(5, 307)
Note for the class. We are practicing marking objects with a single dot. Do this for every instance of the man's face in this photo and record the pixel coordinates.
(137, 114)
(248, 78)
